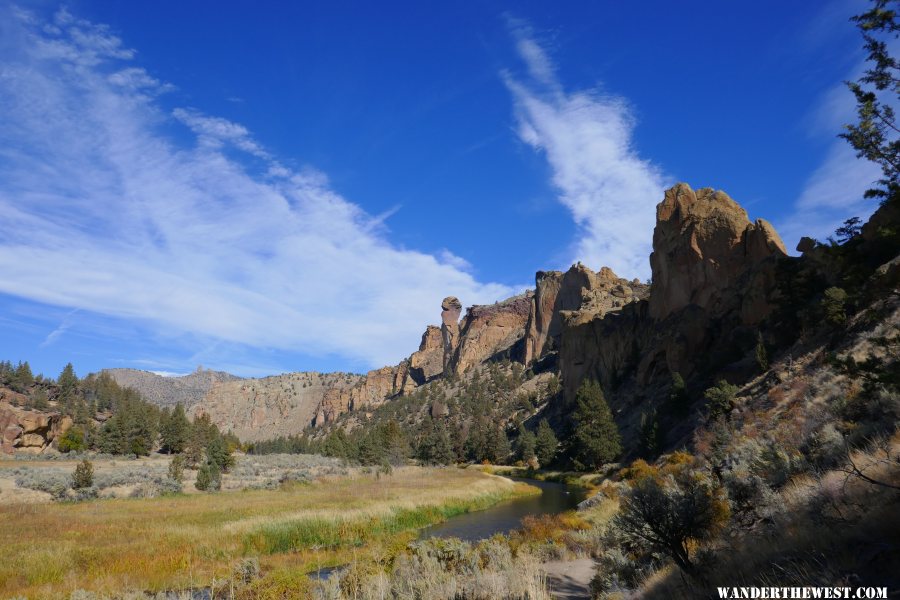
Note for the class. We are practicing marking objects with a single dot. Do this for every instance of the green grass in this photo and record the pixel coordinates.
(346, 532)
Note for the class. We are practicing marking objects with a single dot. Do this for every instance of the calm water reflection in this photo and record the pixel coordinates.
(503, 518)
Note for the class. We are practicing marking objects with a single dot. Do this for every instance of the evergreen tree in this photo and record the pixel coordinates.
(209, 477)
(721, 400)
(525, 445)
(875, 135)
(176, 468)
(174, 430)
(545, 444)
(83, 477)
(596, 437)
(337, 445)
(217, 452)
(497, 449)
(434, 446)
(40, 400)
(22, 378)
(68, 386)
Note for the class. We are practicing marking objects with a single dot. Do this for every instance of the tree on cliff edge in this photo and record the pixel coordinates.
(876, 135)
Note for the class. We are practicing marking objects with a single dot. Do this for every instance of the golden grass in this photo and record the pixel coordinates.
(179, 542)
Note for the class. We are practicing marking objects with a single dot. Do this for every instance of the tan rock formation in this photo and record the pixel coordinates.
(428, 362)
(713, 281)
(373, 390)
(557, 293)
(450, 310)
(490, 330)
(29, 431)
(259, 409)
(703, 244)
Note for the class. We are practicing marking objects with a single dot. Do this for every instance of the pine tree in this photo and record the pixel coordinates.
(875, 135)
(217, 452)
(22, 378)
(176, 468)
(525, 445)
(545, 444)
(174, 430)
(498, 445)
(721, 400)
(68, 386)
(40, 400)
(596, 437)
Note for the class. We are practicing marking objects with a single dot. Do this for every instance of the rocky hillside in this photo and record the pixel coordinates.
(186, 390)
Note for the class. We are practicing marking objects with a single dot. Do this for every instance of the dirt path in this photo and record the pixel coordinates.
(570, 579)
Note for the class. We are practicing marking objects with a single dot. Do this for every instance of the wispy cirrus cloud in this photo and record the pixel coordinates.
(586, 137)
(835, 190)
(105, 212)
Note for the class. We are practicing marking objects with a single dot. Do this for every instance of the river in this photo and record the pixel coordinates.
(507, 516)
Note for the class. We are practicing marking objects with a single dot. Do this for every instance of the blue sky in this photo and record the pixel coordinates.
(295, 186)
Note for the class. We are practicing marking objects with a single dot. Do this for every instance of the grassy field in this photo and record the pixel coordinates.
(180, 542)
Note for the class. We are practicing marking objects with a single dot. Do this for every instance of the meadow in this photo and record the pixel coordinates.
(188, 541)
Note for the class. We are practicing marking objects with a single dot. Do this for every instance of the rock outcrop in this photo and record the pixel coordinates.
(428, 362)
(578, 288)
(261, 409)
(491, 331)
(713, 284)
(450, 310)
(371, 391)
(29, 431)
(703, 244)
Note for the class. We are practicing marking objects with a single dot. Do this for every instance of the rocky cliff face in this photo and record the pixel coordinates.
(703, 245)
(372, 390)
(713, 282)
(450, 309)
(428, 362)
(491, 331)
(260, 409)
(579, 288)
(29, 431)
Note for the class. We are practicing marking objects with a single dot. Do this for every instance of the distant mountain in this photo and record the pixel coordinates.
(186, 390)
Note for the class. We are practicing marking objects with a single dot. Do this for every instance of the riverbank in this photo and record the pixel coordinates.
(188, 541)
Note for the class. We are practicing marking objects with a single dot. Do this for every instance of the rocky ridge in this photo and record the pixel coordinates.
(715, 284)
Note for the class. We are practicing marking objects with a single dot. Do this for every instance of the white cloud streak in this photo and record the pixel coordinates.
(834, 191)
(104, 212)
(586, 137)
